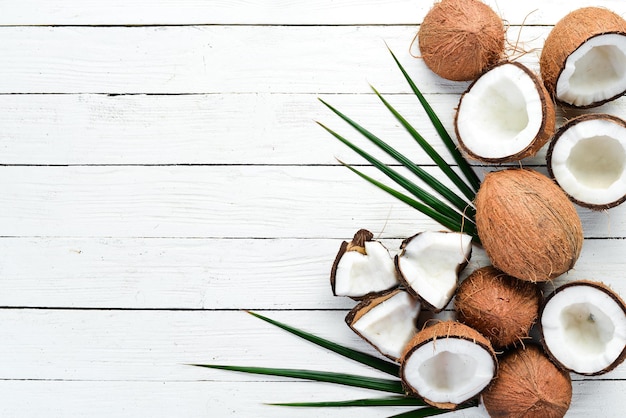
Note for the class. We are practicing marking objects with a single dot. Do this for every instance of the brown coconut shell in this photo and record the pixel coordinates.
(527, 225)
(499, 306)
(570, 124)
(528, 385)
(441, 330)
(545, 132)
(366, 305)
(568, 35)
(460, 39)
(597, 285)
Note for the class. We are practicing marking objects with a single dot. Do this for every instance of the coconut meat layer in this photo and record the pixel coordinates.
(584, 328)
(589, 161)
(449, 369)
(501, 114)
(594, 72)
(430, 264)
(359, 274)
(390, 325)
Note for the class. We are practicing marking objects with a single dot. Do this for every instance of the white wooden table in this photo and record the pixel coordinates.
(161, 171)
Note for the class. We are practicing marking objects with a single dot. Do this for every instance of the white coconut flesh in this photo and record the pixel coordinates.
(359, 274)
(430, 263)
(449, 370)
(391, 324)
(589, 161)
(501, 114)
(595, 72)
(584, 329)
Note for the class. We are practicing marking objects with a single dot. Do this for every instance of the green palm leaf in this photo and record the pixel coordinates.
(429, 179)
(387, 401)
(364, 382)
(422, 412)
(363, 358)
(466, 169)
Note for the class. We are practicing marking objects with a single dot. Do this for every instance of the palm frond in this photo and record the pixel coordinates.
(386, 401)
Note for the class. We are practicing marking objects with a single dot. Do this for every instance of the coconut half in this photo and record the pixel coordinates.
(528, 385)
(497, 305)
(583, 327)
(429, 264)
(527, 225)
(583, 61)
(587, 158)
(362, 267)
(447, 364)
(505, 115)
(460, 39)
(387, 321)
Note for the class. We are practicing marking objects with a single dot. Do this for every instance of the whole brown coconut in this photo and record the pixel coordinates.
(604, 68)
(528, 385)
(499, 306)
(460, 39)
(527, 225)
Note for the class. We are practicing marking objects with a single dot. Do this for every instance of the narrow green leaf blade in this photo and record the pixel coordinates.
(466, 169)
(363, 358)
(401, 180)
(387, 401)
(421, 413)
(432, 153)
(429, 179)
(364, 382)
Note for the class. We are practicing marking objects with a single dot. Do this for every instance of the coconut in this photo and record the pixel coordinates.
(527, 225)
(460, 39)
(528, 385)
(505, 115)
(583, 327)
(587, 158)
(583, 61)
(386, 321)
(500, 307)
(429, 264)
(362, 267)
(447, 364)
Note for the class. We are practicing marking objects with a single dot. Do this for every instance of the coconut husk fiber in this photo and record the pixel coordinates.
(527, 225)
(460, 39)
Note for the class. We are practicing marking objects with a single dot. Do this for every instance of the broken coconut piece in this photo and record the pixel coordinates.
(583, 61)
(587, 158)
(447, 364)
(429, 264)
(505, 115)
(527, 225)
(362, 267)
(528, 385)
(583, 327)
(459, 39)
(497, 305)
(386, 321)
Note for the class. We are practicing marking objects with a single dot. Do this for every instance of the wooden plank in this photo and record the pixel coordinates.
(158, 346)
(246, 399)
(137, 12)
(214, 128)
(215, 201)
(218, 59)
(210, 273)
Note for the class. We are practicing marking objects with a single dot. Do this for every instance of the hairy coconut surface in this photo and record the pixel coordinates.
(587, 158)
(583, 61)
(386, 321)
(460, 39)
(362, 267)
(447, 364)
(527, 225)
(505, 115)
(528, 385)
(583, 327)
(497, 305)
